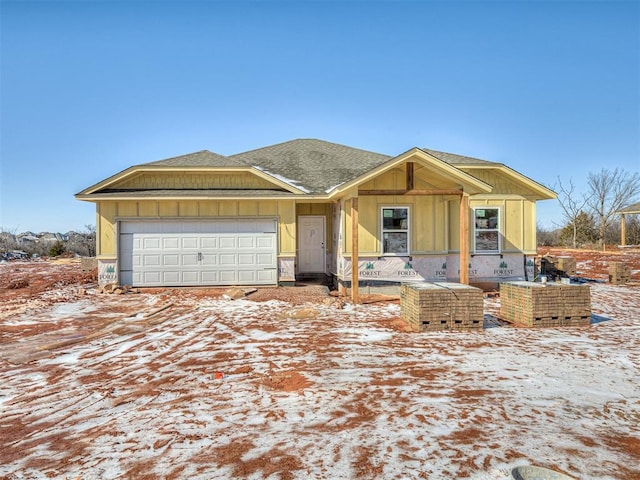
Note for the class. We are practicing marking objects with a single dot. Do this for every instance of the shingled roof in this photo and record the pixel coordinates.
(203, 158)
(313, 165)
(454, 159)
(310, 165)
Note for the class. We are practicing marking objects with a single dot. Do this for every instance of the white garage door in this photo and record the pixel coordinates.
(216, 252)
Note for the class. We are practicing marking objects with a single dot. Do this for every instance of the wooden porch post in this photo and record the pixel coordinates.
(354, 250)
(464, 239)
(623, 230)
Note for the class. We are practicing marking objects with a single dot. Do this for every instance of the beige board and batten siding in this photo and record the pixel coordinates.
(516, 216)
(193, 180)
(427, 217)
(110, 212)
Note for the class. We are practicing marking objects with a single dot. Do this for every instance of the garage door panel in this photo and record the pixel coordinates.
(216, 252)
(265, 242)
(246, 242)
(228, 276)
(168, 277)
(189, 260)
(192, 278)
(190, 243)
(209, 242)
(227, 259)
(265, 259)
(266, 276)
(228, 242)
(150, 260)
(151, 243)
(210, 277)
(153, 277)
(209, 259)
(170, 243)
(246, 259)
(247, 276)
(171, 260)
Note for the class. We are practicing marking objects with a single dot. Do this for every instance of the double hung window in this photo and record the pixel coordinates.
(486, 230)
(395, 230)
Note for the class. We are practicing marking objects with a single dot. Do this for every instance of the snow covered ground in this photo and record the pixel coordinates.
(113, 387)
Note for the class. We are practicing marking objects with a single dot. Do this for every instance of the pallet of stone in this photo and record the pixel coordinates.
(576, 301)
(577, 321)
(467, 307)
(532, 304)
(441, 306)
(619, 273)
(555, 266)
(425, 306)
(564, 264)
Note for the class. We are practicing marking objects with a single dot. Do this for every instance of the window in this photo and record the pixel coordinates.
(487, 230)
(395, 231)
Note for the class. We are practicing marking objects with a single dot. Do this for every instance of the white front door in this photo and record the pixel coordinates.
(311, 241)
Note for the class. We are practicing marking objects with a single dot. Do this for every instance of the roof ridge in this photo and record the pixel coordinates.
(309, 139)
(201, 158)
(183, 155)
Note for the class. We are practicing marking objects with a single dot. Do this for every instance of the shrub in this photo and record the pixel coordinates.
(56, 249)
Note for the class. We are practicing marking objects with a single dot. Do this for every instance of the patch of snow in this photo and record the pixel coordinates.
(379, 403)
(330, 189)
(288, 181)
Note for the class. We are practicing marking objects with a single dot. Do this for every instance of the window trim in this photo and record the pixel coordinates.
(383, 231)
(498, 229)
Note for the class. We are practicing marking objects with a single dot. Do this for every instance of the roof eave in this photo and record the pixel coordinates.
(97, 197)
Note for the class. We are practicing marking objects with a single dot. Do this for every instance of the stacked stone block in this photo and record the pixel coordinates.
(530, 304)
(441, 306)
(554, 266)
(619, 273)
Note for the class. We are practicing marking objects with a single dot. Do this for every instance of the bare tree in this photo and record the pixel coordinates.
(572, 206)
(90, 235)
(610, 191)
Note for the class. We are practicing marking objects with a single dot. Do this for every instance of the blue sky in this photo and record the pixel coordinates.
(90, 88)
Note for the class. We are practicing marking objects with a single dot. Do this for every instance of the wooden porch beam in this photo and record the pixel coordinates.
(409, 176)
(410, 192)
(623, 230)
(464, 239)
(355, 280)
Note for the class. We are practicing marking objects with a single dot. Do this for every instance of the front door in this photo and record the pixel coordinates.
(311, 249)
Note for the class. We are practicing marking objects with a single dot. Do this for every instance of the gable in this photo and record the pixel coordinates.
(509, 182)
(432, 173)
(505, 180)
(424, 178)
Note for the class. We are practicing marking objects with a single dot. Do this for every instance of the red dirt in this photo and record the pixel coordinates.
(166, 386)
(595, 263)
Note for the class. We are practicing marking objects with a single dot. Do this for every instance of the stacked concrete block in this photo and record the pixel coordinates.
(441, 306)
(530, 304)
(555, 266)
(619, 273)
